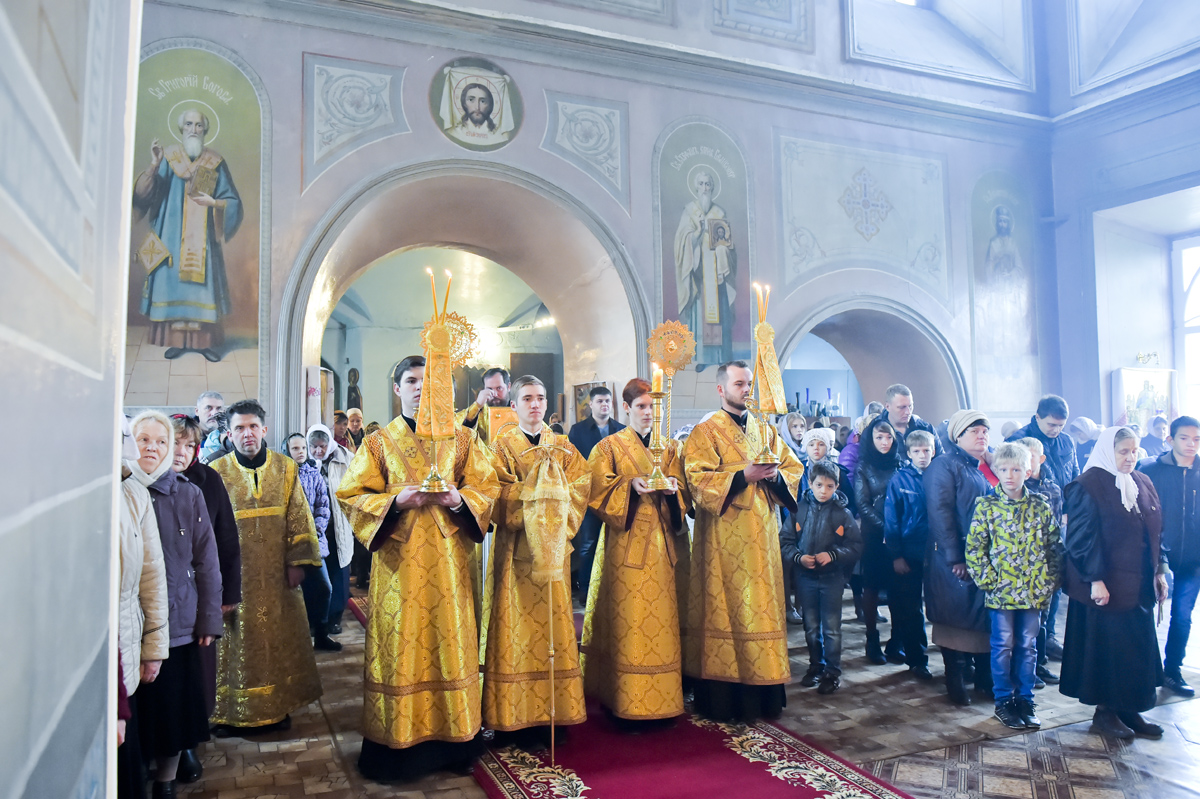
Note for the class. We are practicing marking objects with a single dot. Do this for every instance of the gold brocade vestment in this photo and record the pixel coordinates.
(265, 662)
(516, 683)
(631, 638)
(736, 630)
(422, 648)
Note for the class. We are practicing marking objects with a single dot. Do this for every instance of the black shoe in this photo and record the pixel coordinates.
(1175, 684)
(893, 653)
(1106, 722)
(335, 628)
(1054, 649)
(1141, 728)
(190, 767)
(1027, 710)
(1045, 675)
(1038, 683)
(163, 790)
(173, 352)
(812, 676)
(224, 731)
(985, 691)
(880, 618)
(874, 650)
(326, 644)
(211, 355)
(794, 617)
(920, 672)
(1009, 715)
(829, 684)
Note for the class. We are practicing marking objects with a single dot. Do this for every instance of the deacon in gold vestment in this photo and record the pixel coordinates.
(543, 496)
(494, 394)
(265, 662)
(421, 708)
(631, 643)
(735, 638)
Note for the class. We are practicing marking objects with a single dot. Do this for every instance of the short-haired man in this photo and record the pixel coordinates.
(208, 405)
(1176, 476)
(1047, 426)
(735, 639)
(494, 394)
(265, 663)
(545, 486)
(421, 697)
(585, 435)
(898, 412)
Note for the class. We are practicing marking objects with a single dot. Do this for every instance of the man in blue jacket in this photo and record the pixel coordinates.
(898, 412)
(1176, 477)
(586, 434)
(1046, 426)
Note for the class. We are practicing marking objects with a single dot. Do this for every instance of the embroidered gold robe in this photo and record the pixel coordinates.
(736, 630)
(266, 667)
(422, 648)
(631, 635)
(516, 683)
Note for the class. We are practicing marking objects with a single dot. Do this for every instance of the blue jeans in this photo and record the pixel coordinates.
(821, 597)
(1183, 601)
(1014, 652)
(316, 589)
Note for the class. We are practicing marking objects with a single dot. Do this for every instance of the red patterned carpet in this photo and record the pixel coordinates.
(695, 759)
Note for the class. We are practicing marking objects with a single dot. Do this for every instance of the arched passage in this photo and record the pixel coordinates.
(555, 244)
(885, 343)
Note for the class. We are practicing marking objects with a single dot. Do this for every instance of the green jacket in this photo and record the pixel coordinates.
(1015, 551)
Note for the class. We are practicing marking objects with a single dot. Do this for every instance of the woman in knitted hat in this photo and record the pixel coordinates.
(955, 605)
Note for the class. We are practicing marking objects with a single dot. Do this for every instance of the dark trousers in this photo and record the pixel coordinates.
(316, 589)
(908, 616)
(820, 595)
(339, 580)
(360, 565)
(589, 535)
(1183, 601)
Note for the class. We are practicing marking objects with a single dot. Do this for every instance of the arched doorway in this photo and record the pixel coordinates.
(563, 251)
(884, 343)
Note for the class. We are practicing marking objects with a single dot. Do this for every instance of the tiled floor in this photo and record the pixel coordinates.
(152, 380)
(902, 730)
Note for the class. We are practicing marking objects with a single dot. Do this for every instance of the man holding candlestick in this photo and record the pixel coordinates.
(631, 635)
(735, 639)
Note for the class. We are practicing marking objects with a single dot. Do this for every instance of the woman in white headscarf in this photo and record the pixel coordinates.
(1115, 574)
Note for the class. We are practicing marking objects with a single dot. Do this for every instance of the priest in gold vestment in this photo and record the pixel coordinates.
(544, 492)
(735, 638)
(631, 638)
(421, 708)
(494, 394)
(265, 662)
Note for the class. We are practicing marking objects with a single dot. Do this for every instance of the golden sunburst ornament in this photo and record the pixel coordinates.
(455, 331)
(672, 346)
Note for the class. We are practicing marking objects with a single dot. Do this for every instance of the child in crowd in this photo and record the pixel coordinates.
(1041, 481)
(905, 533)
(822, 542)
(1014, 554)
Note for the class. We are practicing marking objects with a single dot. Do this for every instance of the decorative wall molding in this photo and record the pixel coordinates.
(654, 10)
(885, 210)
(788, 23)
(593, 135)
(347, 105)
(980, 41)
(1109, 41)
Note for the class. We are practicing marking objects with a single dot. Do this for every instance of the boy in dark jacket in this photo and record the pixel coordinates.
(905, 533)
(823, 542)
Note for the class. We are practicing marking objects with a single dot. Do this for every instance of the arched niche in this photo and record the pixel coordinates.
(570, 258)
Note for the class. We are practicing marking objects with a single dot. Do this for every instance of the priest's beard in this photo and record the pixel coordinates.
(193, 145)
(704, 199)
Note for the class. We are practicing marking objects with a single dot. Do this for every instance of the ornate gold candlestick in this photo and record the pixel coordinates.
(765, 456)
(657, 481)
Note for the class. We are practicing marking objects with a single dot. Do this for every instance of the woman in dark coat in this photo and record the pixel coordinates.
(188, 437)
(171, 712)
(953, 603)
(1114, 576)
(878, 459)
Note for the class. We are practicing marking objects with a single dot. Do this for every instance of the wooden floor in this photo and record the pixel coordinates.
(898, 728)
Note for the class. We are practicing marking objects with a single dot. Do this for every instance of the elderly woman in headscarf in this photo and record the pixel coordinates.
(1115, 574)
(171, 712)
(879, 456)
(1084, 432)
(955, 605)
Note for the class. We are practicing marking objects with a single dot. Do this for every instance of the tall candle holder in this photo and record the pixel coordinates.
(657, 481)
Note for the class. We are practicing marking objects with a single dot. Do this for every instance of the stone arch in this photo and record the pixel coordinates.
(559, 246)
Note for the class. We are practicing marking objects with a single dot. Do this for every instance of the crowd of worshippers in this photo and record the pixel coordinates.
(236, 564)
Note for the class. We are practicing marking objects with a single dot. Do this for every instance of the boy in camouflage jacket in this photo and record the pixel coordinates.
(1014, 554)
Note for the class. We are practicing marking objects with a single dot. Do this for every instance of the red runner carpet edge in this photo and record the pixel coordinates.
(358, 606)
(696, 759)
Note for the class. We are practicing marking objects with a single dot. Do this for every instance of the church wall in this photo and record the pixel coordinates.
(917, 159)
(1131, 150)
(63, 184)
